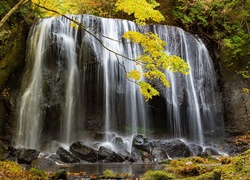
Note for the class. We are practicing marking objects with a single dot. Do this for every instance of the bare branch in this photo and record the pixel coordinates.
(11, 12)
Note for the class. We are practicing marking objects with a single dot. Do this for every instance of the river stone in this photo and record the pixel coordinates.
(158, 154)
(196, 149)
(26, 155)
(208, 151)
(176, 148)
(109, 155)
(140, 142)
(44, 163)
(125, 155)
(67, 156)
(83, 152)
(118, 143)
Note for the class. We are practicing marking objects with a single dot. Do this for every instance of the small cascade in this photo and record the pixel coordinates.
(75, 85)
(30, 109)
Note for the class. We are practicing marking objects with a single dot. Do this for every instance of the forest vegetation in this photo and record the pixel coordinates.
(223, 23)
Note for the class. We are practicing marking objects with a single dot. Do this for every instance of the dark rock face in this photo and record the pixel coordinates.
(13, 36)
(66, 156)
(27, 155)
(83, 152)
(236, 104)
(108, 155)
(176, 148)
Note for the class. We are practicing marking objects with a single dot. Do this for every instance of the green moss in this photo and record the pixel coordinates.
(237, 167)
(213, 175)
(109, 174)
(39, 173)
(61, 174)
(157, 175)
(11, 170)
(14, 58)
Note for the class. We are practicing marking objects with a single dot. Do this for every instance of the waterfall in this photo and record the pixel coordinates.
(74, 84)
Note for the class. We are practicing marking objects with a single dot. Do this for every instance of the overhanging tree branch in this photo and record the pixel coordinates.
(89, 32)
(11, 12)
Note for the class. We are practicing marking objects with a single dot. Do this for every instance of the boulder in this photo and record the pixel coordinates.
(208, 151)
(176, 148)
(118, 143)
(126, 155)
(140, 142)
(109, 155)
(44, 163)
(67, 156)
(196, 149)
(84, 152)
(158, 154)
(27, 155)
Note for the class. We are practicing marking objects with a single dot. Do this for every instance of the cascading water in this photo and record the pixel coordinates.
(76, 85)
(198, 91)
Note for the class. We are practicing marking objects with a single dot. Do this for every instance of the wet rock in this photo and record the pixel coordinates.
(118, 143)
(83, 152)
(67, 156)
(158, 154)
(140, 142)
(208, 151)
(176, 148)
(11, 153)
(126, 156)
(196, 149)
(145, 157)
(27, 155)
(55, 156)
(123, 153)
(44, 163)
(108, 155)
(139, 156)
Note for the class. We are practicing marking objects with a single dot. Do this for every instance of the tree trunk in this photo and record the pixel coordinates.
(11, 12)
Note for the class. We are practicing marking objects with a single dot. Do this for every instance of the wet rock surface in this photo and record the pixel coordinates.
(26, 155)
(108, 155)
(84, 152)
(176, 148)
(66, 156)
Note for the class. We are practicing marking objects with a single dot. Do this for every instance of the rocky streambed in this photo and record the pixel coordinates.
(121, 155)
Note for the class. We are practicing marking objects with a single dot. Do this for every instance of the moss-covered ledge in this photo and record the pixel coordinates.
(13, 48)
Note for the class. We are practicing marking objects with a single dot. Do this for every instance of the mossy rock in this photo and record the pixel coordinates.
(61, 174)
(157, 175)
